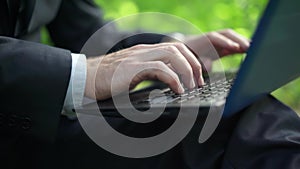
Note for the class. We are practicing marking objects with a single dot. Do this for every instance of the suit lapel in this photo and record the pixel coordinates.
(24, 18)
(13, 7)
(4, 18)
(34, 14)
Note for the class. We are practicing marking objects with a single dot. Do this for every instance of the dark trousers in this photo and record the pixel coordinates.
(264, 135)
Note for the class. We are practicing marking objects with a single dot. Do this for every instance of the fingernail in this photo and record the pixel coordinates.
(246, 46)
(181, 89)
(196, 82)
(192, 84)
(237, 46)
(201, 81)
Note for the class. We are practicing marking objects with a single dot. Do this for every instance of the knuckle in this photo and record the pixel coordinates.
(159, 64)
(188, 71)
(139, 46)
(211, 34)
(180, 44)
(198, 66)
(135, 47)
(172, 48)
(228, 31)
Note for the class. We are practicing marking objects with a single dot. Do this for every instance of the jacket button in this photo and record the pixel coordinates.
(26, 124)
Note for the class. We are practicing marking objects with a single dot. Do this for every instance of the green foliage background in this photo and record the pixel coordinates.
(207, 15)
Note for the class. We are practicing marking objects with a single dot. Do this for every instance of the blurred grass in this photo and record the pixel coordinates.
(207, 15)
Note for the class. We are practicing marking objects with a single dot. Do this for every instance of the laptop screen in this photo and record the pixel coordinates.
(273, 58)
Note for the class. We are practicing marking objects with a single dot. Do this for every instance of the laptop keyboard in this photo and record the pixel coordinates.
(207, 93)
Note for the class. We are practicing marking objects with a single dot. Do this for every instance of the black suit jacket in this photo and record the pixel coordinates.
(33, 83)
(34, 77)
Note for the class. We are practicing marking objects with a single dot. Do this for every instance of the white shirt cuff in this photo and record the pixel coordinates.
(75, 91)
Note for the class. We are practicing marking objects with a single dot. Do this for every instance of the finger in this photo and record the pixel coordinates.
(232, 35)
(193, 61)
(225, 52)
(170, 66)
(180, 63)
(220, 41)
(169, 54)
(157, 70)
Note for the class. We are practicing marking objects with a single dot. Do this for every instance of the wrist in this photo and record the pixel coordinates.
(90, 80)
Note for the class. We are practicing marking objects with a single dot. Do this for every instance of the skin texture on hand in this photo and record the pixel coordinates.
(171, 63)
(167, 62)
(225, 42)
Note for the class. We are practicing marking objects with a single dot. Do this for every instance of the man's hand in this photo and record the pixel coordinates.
(225, 42)
(170, 63)
(167, 62)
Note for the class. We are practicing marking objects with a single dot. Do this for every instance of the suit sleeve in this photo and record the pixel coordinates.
(78, 20)
(75, 22)
(33, 83)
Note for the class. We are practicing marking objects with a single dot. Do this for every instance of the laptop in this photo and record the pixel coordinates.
(272, 60)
